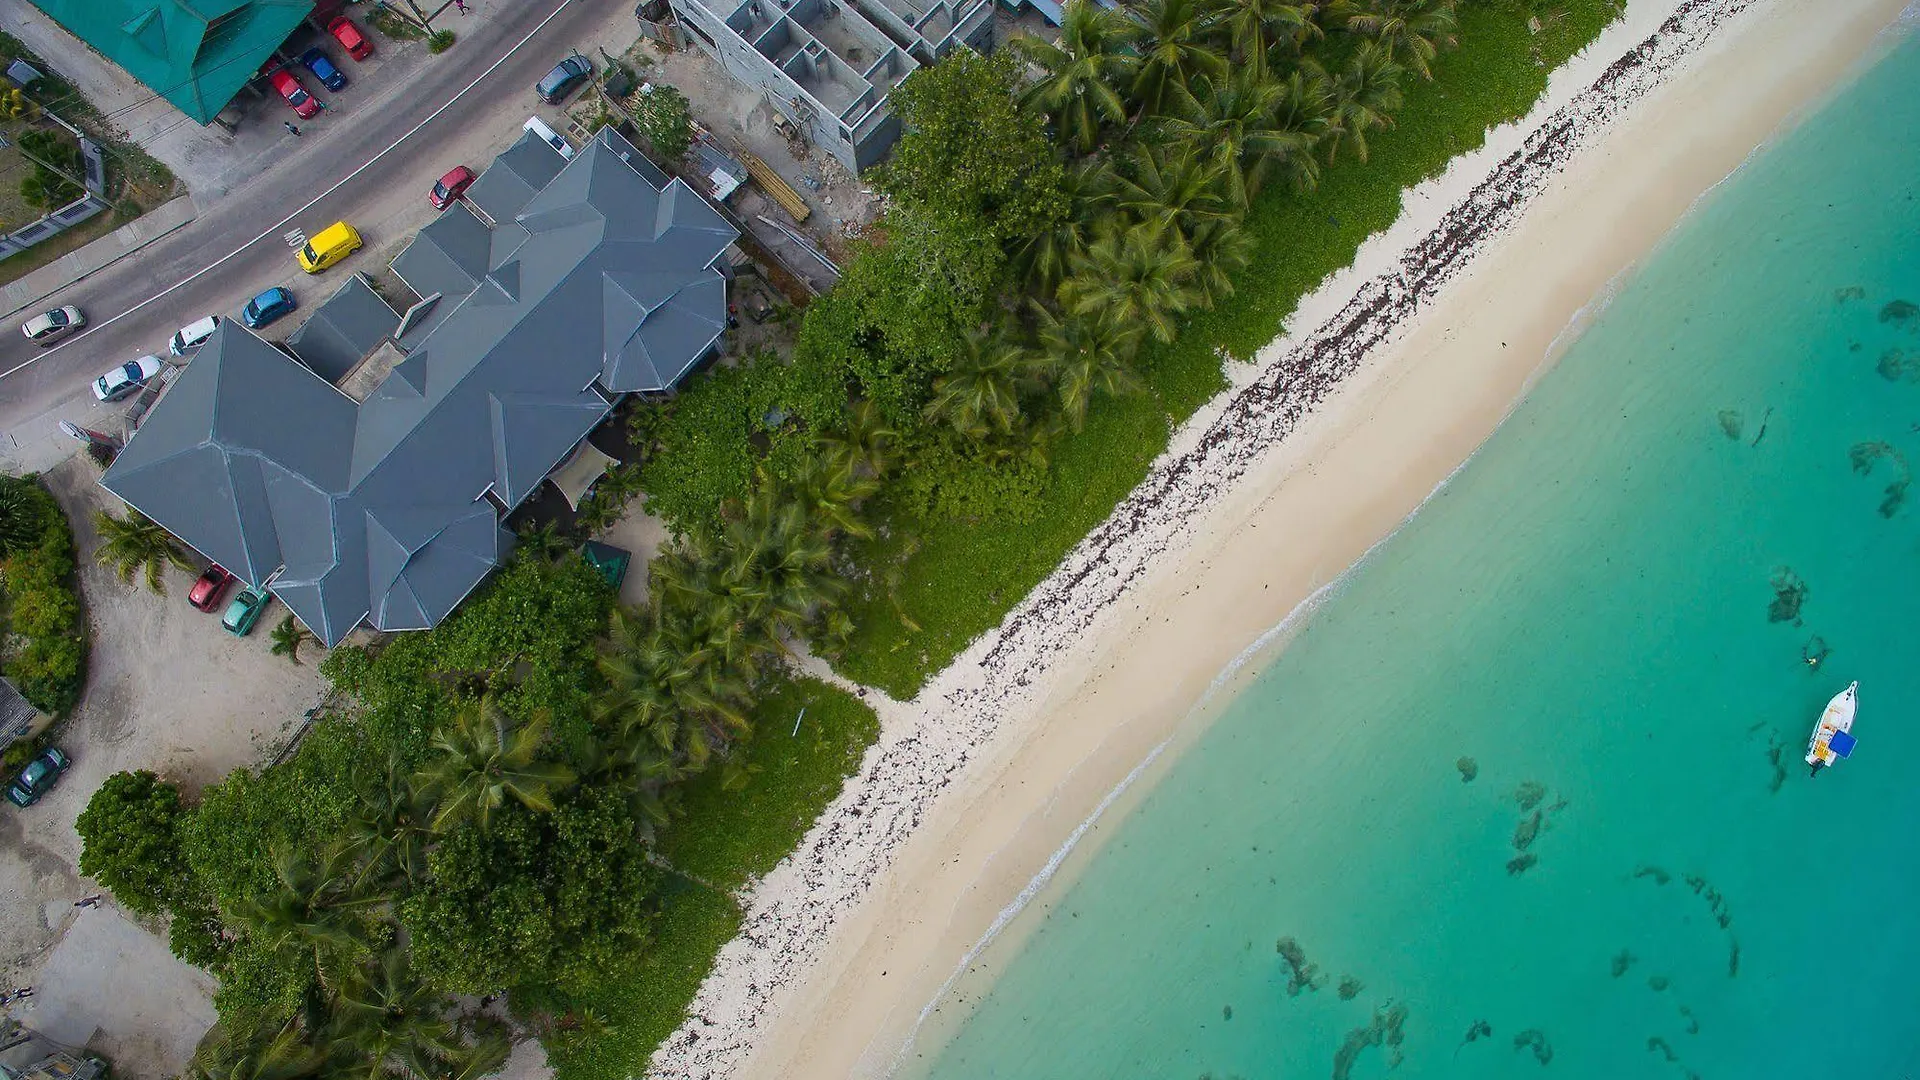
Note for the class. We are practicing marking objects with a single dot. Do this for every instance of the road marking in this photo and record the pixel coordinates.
(294, 238)
(190, 278)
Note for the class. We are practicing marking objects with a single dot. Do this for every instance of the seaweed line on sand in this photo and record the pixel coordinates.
(791, 913)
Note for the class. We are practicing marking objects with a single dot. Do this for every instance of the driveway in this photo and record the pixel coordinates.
(167, 690)
(370, 162)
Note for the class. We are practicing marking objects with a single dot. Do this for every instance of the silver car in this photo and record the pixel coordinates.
(50, 326)
(126, 378)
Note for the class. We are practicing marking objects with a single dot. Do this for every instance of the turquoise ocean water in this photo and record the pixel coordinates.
(1602, 619)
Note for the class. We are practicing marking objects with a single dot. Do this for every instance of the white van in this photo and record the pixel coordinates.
(193, 335)
(549, 136)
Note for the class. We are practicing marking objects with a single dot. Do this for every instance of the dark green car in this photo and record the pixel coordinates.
(38, 777)
(245, 610)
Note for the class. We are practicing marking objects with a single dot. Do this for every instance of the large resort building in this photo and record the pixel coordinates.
(828, 65)
(362, 474)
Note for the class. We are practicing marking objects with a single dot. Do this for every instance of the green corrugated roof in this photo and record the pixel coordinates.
(195, 53)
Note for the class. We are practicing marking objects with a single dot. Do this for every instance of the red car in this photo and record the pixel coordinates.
(303, 104)
(450, 187)
(350, 38)
(208, 588)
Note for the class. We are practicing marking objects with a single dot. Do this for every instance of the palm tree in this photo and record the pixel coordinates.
(1087, 354)
(388, 829)
(666, 698)
(865, 444)
(1364, 93)
(314, 906)
(288, 637)
(1255, 26)
(830, 489)
(1304, 112)
(1411, 32)
(135, 543)
(1222, 251)
(1174, 48)
(487, 757)
(1142, 276)
(1175, 186)
(778, 562)
(1083, 68)
(1240, 117)
(269, 1052)
(544, 542)
(980, 396)
(385, 1021)
(1043, 257)
(22, 521)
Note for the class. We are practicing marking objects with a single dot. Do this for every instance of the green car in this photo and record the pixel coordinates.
(38, 777)
(245, 611)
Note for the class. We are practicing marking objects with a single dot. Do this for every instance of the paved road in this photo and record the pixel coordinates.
(386, 200)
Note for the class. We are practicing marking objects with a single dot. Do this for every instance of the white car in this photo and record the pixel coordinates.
(193, 335)
(50, 326)
(126, 378)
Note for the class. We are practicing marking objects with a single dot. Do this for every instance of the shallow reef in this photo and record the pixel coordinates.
(1537, 1039)
(1386, 1029)
(1789, 595)
(1302, 975)
(1469, 769)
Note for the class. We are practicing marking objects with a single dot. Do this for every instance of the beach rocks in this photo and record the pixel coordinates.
(1469, 769)
(1901, 312)
(1350, 987)
(1481, 1029)
(1520, 864)
(1529, 794)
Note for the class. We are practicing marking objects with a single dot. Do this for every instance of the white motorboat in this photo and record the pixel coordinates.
(1833, 735)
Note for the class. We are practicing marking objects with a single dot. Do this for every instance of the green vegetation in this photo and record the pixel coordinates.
(56, 164)
(555, 797)
(135, 545)
(502, 808)
(46, 655)
(663, 116)
(440, 41)
(132, 173)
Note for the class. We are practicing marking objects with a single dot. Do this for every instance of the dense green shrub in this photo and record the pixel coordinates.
(559, 899)
(130, 842)
(43, 599)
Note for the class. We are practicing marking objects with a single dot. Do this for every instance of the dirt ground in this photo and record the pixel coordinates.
(167, 690)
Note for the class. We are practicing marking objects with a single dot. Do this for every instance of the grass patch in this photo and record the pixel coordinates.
(131, 171)
(723, 839)
(14, 267)
(393, 25)
(959, 579)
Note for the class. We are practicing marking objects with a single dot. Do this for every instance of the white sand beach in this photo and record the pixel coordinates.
(1400, 367)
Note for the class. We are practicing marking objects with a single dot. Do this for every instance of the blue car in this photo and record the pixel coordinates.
(323, 69)
(267, 307)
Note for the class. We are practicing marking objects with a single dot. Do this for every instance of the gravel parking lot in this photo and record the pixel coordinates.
(167, 690)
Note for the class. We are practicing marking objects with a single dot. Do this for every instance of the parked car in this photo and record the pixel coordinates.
(315, 60)
(50, 326)
(267, 307)
(450, 187)
(545, 133)
(245, 611)
(289, 87)
(126, 378)
(350, 38)
(328, 246)
(209, 587)
(565, 75)
(190, 337)
(38, 777)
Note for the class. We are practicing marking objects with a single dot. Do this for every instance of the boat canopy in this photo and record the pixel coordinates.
(1841, 744)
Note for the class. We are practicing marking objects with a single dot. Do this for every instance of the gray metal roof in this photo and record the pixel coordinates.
(449, 256)
(380, 510)
(341, 332)
(516, 176)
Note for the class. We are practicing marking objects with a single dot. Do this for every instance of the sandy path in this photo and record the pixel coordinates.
(1328, 444)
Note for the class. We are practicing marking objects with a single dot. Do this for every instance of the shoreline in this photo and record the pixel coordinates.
(1323, 447)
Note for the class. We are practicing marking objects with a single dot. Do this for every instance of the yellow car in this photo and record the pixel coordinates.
(333, 243)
